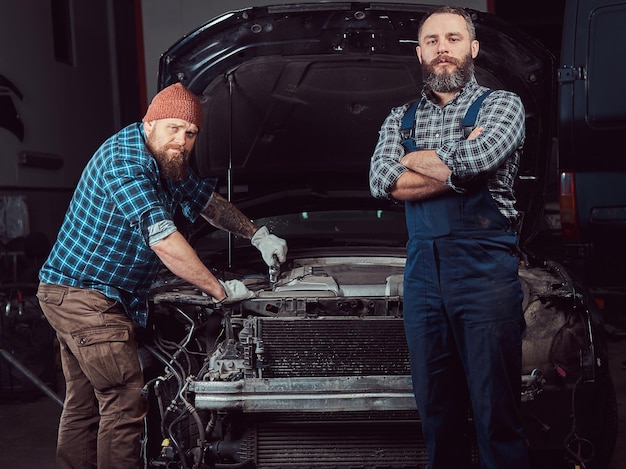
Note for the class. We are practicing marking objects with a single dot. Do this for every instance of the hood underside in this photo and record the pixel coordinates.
(295, 95)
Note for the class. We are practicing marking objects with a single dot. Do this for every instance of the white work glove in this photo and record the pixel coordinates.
(235, 291)
(270, 246)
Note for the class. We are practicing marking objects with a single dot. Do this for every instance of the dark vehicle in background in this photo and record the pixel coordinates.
(313, 371)
(591, 153)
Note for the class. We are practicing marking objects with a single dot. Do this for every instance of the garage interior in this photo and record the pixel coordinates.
(31, 382)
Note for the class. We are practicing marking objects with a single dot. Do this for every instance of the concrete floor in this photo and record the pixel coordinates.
(28, 429)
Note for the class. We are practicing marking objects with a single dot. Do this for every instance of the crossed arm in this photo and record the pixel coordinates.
(426, 176)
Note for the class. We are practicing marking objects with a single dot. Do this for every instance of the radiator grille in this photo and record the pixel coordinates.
(333, 347)
(380, 440)
(340, 445)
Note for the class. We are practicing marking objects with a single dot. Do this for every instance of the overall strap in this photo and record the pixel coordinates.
(407, 129)
(469, 120)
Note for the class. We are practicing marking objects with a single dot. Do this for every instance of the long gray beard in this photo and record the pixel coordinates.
(448, 82)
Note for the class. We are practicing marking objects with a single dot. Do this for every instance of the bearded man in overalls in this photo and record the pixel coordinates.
(462, 295)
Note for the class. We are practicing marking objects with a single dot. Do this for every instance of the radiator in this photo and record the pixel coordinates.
(299, 347)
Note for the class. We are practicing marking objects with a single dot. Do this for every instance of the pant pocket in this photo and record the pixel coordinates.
(52, 295)
(108, 355)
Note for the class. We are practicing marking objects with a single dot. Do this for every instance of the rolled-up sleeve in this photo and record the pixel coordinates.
(159, 231)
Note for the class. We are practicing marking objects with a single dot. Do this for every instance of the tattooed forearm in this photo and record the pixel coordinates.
(224, 215)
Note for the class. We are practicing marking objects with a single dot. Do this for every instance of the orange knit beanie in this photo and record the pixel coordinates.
(175, 102)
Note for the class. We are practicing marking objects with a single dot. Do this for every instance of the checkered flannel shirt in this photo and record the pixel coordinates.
(103, 243)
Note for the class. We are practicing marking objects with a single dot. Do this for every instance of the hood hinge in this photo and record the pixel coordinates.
(569, 74)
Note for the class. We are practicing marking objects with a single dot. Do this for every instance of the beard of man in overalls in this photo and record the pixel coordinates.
(462, 295)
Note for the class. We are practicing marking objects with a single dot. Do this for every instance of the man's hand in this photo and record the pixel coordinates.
(270, 245)
(235, 290)
(475, 133)
(427, 163)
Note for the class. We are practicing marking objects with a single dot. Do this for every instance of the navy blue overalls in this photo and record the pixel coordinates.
(463, 321)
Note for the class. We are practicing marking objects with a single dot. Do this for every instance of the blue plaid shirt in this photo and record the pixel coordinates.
(495, 153)
(103, 241)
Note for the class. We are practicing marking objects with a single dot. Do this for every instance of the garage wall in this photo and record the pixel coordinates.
(66, 91)
(59, 81)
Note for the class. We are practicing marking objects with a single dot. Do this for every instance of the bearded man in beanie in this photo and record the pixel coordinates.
(117, 232)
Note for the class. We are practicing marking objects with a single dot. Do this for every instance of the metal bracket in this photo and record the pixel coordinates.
(570, 73)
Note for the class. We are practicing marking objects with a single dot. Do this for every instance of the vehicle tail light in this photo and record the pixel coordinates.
(567, 205)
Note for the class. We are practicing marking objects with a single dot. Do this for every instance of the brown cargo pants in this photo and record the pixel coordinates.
(102, 419)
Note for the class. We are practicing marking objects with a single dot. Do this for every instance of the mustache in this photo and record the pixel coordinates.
(180, 148)
(445, 58)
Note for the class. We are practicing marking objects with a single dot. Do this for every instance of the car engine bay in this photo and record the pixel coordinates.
(316, 366)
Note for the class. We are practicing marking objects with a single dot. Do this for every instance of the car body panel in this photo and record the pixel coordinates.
(592, 123)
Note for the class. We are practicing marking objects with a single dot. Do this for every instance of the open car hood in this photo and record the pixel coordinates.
(295, 95)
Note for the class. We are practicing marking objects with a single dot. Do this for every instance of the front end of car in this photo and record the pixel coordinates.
(313, 371)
